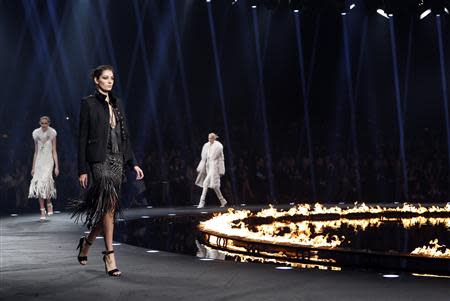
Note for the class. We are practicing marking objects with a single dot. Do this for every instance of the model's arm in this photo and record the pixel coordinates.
(201, 164)
(221, 159)
(83, 135)
(132, 162)
(34, 157)
(82, 143)
(55, 156)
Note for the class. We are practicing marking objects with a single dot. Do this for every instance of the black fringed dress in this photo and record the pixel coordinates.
(104, 193)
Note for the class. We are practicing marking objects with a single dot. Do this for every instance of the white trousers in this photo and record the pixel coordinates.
(205, 190)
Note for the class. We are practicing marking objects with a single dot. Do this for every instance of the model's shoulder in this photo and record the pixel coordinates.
(88, 98)
(219, 144)
(52, 131)
(35, 133)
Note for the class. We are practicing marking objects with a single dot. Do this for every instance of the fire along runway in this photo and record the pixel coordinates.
(38, 260)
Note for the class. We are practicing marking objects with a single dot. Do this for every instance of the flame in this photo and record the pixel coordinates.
(434, 249)
(312, 233)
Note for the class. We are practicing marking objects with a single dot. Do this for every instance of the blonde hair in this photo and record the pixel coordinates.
(214, 135)
(45, 117)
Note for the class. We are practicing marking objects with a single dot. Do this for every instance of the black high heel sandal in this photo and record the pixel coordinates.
(80, 246)
(114, 272)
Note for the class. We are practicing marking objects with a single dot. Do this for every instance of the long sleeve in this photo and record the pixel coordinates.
(83, 134)
(129, 154)
(221, 161)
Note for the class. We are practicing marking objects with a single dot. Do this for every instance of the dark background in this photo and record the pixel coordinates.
(166, 74)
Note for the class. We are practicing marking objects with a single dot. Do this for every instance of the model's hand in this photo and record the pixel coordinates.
(83, 180)
(56, 171)
(139, 173)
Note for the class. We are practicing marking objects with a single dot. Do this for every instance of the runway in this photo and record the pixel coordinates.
(38, 260)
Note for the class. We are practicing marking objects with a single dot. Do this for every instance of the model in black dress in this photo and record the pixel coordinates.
(104, 147)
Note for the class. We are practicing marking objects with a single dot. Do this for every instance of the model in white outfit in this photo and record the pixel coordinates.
(45, 159)
(210, 169)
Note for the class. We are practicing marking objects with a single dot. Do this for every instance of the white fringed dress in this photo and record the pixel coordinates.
(42, 185)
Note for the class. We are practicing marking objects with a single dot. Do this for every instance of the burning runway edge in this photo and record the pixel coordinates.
(409, 238)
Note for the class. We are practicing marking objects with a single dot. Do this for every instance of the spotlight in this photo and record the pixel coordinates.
(145, 216)
(424, 14)
(171, 214)
(390, 276)
(152, 251)
(67, 118)
(382, 13)
(352, 6)
(283, 268)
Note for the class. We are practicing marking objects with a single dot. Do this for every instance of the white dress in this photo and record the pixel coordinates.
(42, 185)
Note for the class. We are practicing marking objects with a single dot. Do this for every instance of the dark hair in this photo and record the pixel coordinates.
(97, 72)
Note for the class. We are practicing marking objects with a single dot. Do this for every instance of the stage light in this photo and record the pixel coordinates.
(208, 0)
(99, 237)
(14, 214)
(283, 268)
(390, 15)
(296, 11)
(57, 212)
(152, 251)
(253, 6)
(391, 276)
(243, 205)
(203, 212)
(207, 259)
(425, 13)
(352, 6)
(446, 10)
(149, 207)
(171, 214)
(86, 232)
(382, 13)
(116, 244)
(343, 14)
(145, 216)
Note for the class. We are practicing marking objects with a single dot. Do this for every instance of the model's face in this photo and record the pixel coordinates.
(106, 81)
(44, 123)
(211, 139)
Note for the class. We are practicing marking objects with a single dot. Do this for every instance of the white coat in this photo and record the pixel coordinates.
(211, 166)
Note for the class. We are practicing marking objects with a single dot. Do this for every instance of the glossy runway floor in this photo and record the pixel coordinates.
(38, 261)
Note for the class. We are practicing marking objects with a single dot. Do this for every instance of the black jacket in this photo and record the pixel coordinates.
(94, 127)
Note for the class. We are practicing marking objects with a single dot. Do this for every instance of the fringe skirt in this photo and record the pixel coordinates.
(103, 195)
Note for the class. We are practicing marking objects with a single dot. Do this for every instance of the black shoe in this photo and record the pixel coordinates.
(114, 272)
(80, 246)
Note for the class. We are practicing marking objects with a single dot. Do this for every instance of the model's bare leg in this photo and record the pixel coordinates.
(108, 230)
(42, 208)
(49, 207)
(91, 238)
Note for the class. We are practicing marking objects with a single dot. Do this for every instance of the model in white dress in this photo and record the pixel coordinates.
(45, 160)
